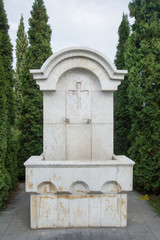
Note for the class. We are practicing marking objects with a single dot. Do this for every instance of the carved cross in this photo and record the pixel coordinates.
(78, 93)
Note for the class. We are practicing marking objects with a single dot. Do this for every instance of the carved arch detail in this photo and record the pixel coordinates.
(111, 187)
(78, 57)
(46, 187)
(79, 187)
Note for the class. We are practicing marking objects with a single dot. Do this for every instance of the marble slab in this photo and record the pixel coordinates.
(102, 142)
(46, 211)
(54, 142)
(54, 107)
(78, 142)
(74, 211)
(94, 211)
(78, 211)
(78, 103)
(102, 107)
(63, 208)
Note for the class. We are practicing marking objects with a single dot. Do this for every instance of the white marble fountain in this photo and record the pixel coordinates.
(78, 181)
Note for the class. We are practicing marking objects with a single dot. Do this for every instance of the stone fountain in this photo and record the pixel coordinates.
(78, 181)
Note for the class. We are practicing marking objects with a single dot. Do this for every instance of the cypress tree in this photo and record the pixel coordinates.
(123, 33)
(8, 176)
(6, 54)
(143, 61)
(5, 179)
(31, 125)
(121, 112)
(21, 48)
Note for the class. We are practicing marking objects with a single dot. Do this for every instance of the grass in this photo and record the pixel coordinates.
(155, 203)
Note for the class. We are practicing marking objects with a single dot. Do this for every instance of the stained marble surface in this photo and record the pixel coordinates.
(78, 181)
(89, 113)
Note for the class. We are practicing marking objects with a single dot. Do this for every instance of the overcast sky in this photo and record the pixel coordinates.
(90, 23)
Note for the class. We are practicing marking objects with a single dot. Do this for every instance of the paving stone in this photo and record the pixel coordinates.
(3, 227)
(18, 235)
(7, 217)
(153, 223)
(156, 233)
(34, 235)
(142, 236)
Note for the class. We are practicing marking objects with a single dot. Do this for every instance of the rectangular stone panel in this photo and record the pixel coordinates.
(110, 210)
(94, 210)
(54, 107)
(123, 209)
(128, 173)
(54, 142)
(102, 107)
(78, 211)
(102, 141)
(33, 211)
(78, 137)
(78, 103)
(46, 211)
(63, 211)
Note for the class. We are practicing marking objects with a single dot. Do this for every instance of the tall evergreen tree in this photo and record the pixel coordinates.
(5, 179)
(32, 117)
(123, 33)
(8, 176)
(121, 111)
(21, 48)
(6, 54)
(143, 61)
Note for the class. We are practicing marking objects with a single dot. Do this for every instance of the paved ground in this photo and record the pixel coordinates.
(143, 223)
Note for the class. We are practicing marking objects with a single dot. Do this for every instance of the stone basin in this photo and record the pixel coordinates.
(78, 194)
(64, 173)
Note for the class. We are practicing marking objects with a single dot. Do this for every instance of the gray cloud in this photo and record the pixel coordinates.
(92, 23)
